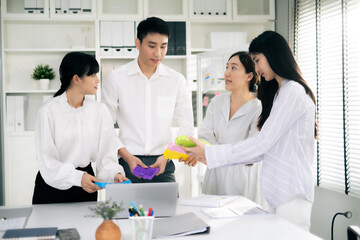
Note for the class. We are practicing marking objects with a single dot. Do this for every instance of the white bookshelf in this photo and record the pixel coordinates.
(32, 38)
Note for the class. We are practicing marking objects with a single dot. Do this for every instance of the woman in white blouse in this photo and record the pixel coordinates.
(285, 142)
(72, 131)
(232, 117)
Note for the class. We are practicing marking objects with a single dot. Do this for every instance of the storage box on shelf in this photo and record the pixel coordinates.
(120, 9)
(166, 9)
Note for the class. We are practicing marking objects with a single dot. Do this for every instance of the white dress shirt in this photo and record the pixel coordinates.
(285, 144)
(67, 138)
(218, 129)
(145, 109)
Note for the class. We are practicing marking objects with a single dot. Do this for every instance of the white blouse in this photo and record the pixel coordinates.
(285, 144)
(218, 129)
(67, 138)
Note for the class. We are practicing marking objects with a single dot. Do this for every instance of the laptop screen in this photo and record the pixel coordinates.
(161, 197)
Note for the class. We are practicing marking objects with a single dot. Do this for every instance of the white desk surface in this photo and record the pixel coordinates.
(247, 227)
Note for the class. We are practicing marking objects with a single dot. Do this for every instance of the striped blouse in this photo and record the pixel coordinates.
(285, 144)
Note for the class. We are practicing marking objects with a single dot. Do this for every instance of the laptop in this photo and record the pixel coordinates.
(161, 197)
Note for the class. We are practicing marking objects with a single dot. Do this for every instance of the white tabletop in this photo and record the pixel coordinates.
(261, 226)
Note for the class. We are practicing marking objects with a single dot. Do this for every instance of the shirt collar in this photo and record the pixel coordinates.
(243, 110)
(134, 68)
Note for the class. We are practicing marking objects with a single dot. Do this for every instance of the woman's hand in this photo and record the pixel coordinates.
(190, 161)
(119, 178)
(196, 153)
(87, 183)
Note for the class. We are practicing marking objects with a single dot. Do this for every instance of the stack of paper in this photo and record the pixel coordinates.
(209, 200)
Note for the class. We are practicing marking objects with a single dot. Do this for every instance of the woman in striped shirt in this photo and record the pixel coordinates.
(285, 142)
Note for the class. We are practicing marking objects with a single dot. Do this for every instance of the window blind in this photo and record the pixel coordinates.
(351, 11)
(326, 43)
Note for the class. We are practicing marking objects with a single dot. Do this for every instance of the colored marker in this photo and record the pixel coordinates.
(149, 212)
(141, 210)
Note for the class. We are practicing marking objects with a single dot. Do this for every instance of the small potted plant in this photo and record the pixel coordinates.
(43, 74)
(107, 210)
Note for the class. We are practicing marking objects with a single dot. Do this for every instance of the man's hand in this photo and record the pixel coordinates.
(87, 183)
(160, 163)
(119, 178)
(131, 160)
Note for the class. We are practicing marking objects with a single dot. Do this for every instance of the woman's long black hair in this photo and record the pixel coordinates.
(283, 63)
(75, 63)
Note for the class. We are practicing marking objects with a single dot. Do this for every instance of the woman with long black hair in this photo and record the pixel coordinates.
(285, 142)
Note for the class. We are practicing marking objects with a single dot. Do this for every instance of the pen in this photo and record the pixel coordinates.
(149, 212)
(134, 205)
(133, 211)
(141, 210)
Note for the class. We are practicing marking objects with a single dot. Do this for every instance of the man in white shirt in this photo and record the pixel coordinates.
(145, 98)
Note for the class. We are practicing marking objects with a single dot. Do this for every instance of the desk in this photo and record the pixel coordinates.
(247, 227)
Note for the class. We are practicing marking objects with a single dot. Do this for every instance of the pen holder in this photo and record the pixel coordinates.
(141, 227)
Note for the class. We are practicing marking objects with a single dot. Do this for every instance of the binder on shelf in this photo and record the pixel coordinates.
(86, 6)
(210, 6)
(10, 113)
(129, 38)
(58, 6)
(19, 113)
(117, 38)
(180, 38)
(75, 6)
(105, 38)
(199, 7)
(171, 42)
(30, 6)
(65, 6)
(222, 7)
(39, 6)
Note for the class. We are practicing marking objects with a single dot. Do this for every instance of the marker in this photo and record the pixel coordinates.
(152, 213)
(130, 213)
(133, 211)
(149, 212)
(141, 210)
(134, 205)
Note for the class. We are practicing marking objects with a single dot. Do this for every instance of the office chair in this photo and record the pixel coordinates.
(353, 233)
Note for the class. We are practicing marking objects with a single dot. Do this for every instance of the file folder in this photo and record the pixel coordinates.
(40, 6)
(129, 38)
(86, 6)
(199, 7)
(19, 113)
(117, 38)
(180, 38)
(171, 42)
(65, 6)
(10, 113)
(30, 6)
(58, 6)
(74, 6)
(105, 38)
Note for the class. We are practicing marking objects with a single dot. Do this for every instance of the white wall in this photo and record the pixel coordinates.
(326, 204)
